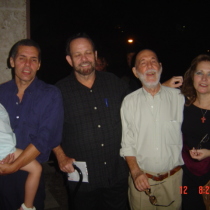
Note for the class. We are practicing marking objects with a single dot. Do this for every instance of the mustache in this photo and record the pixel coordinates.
(150, 71)
(87, 62)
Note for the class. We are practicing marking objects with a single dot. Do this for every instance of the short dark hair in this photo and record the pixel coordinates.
(77, 36)
(188, 88)
(24, 42)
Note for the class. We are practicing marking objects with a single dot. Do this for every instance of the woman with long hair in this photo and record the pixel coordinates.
(196, 133)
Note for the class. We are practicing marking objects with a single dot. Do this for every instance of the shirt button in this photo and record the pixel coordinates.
(91, 91)
(95, 107)
(152, 107)
(17, 103)
(102, 145)
(99, 126)
(17, 117)
(104, 163)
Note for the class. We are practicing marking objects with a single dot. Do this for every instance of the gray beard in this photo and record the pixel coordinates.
(149, 85)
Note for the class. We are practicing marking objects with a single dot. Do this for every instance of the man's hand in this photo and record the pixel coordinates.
(7, 169)
(6, 166)
(140, 180)
(27, 155)
(8, 159)
(65, 163)
(199, 154)
(174, 82)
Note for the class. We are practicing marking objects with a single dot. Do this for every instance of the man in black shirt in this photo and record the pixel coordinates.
(92, 129)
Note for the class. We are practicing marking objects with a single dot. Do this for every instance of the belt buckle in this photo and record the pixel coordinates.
(156, 178)
(160, 177)
(153, 178)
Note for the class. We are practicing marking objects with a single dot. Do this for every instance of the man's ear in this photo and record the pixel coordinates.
(12, 63)
(134, 72)
(68, 58)
(96, 55)
(161, 67)
(39, 66)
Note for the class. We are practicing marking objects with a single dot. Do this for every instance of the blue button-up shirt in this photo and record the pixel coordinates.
(38, 118)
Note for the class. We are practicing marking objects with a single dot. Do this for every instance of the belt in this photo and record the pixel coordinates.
(164, 176)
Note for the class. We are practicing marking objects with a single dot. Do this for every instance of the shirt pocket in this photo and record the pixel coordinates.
(172, 132)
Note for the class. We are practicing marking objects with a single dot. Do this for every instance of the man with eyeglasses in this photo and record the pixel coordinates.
(151, 138)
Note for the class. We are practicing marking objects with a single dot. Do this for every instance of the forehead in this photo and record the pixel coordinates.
(28, 50)
(203, 65)
(146, 54)
(80, 44)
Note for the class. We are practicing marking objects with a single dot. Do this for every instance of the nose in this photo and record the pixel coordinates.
(84, 58)
(149, 65)
(204, 77)
(27, 62)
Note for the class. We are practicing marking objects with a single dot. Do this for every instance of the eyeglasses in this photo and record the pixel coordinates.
(203, 140)
(153, 199)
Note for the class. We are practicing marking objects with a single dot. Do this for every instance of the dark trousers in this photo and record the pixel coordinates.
(12, 191)
(110, 198)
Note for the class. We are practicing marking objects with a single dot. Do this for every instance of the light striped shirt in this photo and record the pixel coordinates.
(152, 128)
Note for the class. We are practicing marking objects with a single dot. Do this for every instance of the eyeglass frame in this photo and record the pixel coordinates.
(203, 140)
(153, 199)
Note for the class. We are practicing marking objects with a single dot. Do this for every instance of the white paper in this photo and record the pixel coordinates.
(74, 176)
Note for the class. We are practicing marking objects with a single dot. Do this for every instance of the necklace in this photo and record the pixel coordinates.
(203, 118)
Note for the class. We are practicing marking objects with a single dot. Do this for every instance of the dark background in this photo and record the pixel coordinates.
(177, 30)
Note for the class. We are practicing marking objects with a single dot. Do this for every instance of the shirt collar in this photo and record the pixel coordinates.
(97, 79)
(30, 88)
(148, 95)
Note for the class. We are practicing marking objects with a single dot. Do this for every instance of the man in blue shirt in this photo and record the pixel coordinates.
(36, 114)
